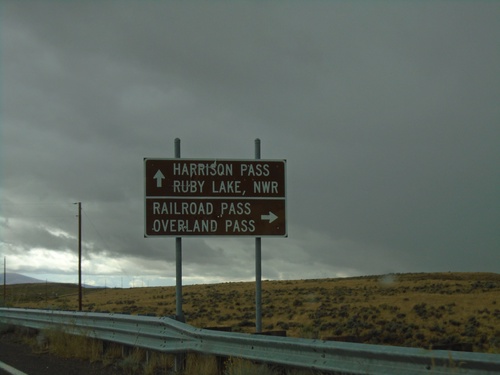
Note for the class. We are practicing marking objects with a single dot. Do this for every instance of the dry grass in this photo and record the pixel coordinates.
(237, 366)
(418, 310)
(158, 362)
(201, 364)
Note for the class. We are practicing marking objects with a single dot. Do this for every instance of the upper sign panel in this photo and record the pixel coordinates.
(215, 178)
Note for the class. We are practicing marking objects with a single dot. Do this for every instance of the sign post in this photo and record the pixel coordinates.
(258, 266)
(179, 314)
(178, 254)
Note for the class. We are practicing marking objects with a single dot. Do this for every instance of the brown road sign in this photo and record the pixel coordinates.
(186, 197)
(209, 178)
(219, 217)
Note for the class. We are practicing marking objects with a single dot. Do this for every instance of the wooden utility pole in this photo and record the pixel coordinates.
(79, 256)
(4, 280)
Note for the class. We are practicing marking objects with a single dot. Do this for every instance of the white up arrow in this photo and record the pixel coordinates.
(271, 217)
(158, 177)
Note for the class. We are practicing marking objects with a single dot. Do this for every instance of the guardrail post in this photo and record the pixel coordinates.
(220, 359)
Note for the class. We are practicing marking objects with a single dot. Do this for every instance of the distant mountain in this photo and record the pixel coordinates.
(17, 278)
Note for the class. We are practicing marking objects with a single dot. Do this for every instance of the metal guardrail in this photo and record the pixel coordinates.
(170, 336)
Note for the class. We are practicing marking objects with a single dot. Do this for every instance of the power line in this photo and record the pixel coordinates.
(96, 230)
(102, 238)
(20, 210)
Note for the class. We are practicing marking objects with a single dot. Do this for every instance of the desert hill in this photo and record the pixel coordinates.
(418, 310)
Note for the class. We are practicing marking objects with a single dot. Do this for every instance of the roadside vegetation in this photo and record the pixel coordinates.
(459, 311)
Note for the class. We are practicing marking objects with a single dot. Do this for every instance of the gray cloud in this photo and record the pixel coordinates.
(386, 113)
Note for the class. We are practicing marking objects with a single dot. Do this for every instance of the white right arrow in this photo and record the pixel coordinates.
(271, 217)
(158, 177)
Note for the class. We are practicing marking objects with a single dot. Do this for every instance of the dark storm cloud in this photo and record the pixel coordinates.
(387, 114)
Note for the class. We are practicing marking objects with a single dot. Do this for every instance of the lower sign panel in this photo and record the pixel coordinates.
(215, 217)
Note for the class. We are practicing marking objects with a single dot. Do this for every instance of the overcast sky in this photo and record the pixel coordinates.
(387, 112)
